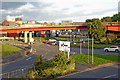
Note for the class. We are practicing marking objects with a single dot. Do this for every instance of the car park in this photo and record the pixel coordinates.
(112, 48)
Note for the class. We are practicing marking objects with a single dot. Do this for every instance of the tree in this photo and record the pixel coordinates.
(115, 18)
(119, 17)
(92, 20)
(96, 30)
(88, 20)
(106, 19)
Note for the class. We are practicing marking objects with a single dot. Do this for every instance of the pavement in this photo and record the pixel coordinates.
(108, 71)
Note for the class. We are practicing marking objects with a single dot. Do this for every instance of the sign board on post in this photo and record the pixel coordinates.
(64, 46)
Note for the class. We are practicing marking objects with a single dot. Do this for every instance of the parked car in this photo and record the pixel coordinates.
(52, 40)
(47, 42)
(54, 43)
(112, 48)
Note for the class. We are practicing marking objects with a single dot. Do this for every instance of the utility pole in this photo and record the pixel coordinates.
(88, 49)
(92, 50)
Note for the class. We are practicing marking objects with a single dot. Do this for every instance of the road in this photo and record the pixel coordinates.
(96, 51)
(20, 64)
(47, 51)
(99, 74)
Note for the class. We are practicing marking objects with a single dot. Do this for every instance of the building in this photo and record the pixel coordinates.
(5, 23)
(66, 22)
(11, 23)
(8, 23)
(1, 22)
(10, 18)
(31, 22)
(18, 20)
(80, 23)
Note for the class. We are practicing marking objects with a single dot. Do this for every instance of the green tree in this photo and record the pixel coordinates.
(115, 18)
(88, 20)
(106, 19)
(94, 19)
(96, 30)
(119, 16)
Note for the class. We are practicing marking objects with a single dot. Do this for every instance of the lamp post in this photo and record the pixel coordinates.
(92, 50)
(88, 49)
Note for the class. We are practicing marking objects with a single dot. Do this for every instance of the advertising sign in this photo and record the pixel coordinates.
(64, 46)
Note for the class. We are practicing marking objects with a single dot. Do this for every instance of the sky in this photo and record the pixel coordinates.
(57, 10)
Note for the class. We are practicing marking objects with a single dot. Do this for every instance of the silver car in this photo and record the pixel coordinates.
(112, 48)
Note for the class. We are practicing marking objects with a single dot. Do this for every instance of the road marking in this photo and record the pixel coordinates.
(28, 58)
(110, 76)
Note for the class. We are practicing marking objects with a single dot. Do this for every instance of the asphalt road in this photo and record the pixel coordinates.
(47, 51)
(99, 74)
(95, 51)
(20, 64)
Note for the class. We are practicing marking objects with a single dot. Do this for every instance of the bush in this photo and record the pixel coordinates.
(96, 42)
(103, 39)
(111, 36)
(50, 69)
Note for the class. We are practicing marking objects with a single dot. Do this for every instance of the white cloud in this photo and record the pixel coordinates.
(57, 10)
(26, 6)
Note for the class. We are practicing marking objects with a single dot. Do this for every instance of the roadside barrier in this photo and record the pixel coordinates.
(15, 74)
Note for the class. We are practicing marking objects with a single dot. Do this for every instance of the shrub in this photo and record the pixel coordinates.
(57, 66)
(111, 36)
(103, 39)
(96, 42)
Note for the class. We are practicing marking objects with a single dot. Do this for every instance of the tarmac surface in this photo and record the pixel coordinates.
(48, 52)
(105, 72)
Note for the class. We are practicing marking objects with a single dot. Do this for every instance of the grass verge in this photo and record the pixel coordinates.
(95, 45)
(57, 38)
(7, 50)
(98, 59)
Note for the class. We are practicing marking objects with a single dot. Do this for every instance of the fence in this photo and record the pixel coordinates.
(14, 74)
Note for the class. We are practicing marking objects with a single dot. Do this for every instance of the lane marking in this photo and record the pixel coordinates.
(110, 76)
(28, 58)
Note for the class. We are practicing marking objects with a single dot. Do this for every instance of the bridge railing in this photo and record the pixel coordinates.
(18, 27)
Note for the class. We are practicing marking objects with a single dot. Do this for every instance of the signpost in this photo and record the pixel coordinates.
(80, 48)
(64, 46)
(88, 49)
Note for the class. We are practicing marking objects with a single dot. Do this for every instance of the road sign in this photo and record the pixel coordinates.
(64, 46)
(80, 44)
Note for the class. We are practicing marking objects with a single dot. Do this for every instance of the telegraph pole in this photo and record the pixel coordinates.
(92, 50)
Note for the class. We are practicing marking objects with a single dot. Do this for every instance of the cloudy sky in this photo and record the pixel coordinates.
(57, 10)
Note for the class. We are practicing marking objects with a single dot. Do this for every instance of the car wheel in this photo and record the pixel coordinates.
(116, 50)
(106, 50)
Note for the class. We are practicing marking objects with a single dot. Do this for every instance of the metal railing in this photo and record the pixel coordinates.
(14, 74)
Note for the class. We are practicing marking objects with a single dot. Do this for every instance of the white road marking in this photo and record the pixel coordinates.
(28, 58)
(110, 76)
